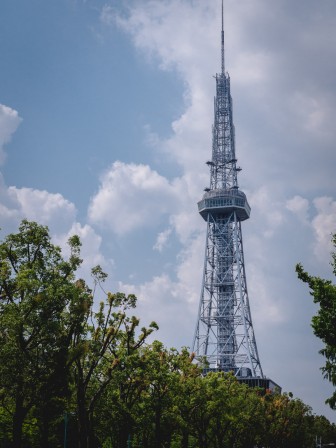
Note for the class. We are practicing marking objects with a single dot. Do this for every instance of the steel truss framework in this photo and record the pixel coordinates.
(224, 335)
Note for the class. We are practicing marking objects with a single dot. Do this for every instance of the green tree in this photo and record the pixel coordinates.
(324, 322)
(322, 429)
(186, 394)
(58, 352)
(148, 402)
(286, 422)
(36, 287)
(61, 351)
(155, 419)
(117, 413)
(230, 415)
(103, 345)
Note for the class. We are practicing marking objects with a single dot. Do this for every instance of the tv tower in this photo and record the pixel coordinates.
(224, 338)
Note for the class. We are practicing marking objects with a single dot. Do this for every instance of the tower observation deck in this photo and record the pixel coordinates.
(224, 338)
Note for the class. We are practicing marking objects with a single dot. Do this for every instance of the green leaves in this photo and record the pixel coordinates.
(66, 349)
(324, 322)
(37, 292)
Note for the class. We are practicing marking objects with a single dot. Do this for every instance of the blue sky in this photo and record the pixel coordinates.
(105, 124)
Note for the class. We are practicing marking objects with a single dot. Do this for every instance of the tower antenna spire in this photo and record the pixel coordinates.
(222, 48)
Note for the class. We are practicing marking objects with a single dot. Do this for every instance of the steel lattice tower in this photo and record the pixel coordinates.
(224, 335)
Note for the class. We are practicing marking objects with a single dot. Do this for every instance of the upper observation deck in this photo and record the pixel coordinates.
(224, 202)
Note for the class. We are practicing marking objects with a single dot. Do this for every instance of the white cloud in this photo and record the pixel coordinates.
(252, 69)
(59, 215)
(108, 15)
(187, 223)
(9, 122)
(315, 114)
(91, 250)
(324, 224)
(257, 68)
(170, 303)
(265, 302)
(162, 239)
(131, 196)
(46, 208)
(190, 268)
(319, 225)
(266, 203)
(299, 206)
(50, 209)
(151, 22)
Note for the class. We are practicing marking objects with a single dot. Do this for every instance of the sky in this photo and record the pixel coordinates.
(106, 110)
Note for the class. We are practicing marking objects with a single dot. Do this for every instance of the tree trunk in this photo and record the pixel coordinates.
(18, 419)
(185, 439)
(157, 432)
(92, 439)
(167, 440)
(125, 432)
(202, 439)
(45, 432)
(145, 439)
(83, 421)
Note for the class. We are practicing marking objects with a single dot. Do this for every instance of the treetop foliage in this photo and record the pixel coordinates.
(324, 322)
(76, 369)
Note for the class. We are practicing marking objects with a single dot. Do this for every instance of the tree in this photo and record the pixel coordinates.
(324, 322)
(117, 413)
(228, 413)
(36, 287)
(322, 429)
(103, 345)
(286, 422)
(156, 419)
(58, 352)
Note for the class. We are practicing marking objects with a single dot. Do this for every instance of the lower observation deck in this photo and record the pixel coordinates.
(224, 202)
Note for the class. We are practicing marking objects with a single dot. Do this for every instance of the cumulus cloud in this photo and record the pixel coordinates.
(9, 122)
(190, 268)
(319, 219)
(131, 196)
(299, 206)
(91, 250)
(165, 301)
(315, 113)
(275, 91)
(282, 107)
(324, 224)
(47, 208)
(162, 239)
(59, 214)
(149, 24)
(50, 209)
(269, 207)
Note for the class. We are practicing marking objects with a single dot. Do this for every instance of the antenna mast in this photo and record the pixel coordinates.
(224, 337)
(223, 65)
(224, 333)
